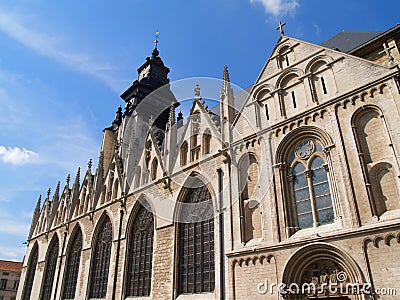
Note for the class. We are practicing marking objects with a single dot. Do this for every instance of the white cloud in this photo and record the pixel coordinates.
(53, 46)
(17, 156)
(14, 254)
(278, 7)
(14, 228)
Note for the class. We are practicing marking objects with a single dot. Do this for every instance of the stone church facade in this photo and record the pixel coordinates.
(298, 186)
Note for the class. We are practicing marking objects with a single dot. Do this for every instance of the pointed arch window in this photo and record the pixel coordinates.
(184, 153)
(154, 166)
(196, 266)
(140, 256)
(101, 261)
(376, 157)
(206, 142)
(30, 274)
(310, 185)
(50, 270)
(250, 212)
(72, 266)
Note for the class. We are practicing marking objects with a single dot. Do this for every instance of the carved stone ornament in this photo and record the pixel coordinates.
(305, 149)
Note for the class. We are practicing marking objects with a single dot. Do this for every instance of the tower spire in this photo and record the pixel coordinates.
(156, 40)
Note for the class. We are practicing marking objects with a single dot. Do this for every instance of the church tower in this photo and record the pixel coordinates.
(152, 75)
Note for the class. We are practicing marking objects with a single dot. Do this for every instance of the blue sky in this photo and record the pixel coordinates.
(63, 65)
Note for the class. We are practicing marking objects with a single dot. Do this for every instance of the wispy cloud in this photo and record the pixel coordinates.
(13, 253)
(17, 156)
(54, 46)
(278, 7)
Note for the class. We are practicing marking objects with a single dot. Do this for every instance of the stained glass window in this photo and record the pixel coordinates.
(72, 266)
(30, 275)
(196, 243)
(101, 261)
(140, 254)
(50, 269)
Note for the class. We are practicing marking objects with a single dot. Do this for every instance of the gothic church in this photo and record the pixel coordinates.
(299, 184)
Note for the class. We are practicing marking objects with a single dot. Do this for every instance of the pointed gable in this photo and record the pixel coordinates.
(299, 76)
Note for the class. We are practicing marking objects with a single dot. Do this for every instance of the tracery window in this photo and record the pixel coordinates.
(196, 267)
(140, 256)
(101, 261)
(51, 263)
(30, 275)
(72, 266)
(311, 191)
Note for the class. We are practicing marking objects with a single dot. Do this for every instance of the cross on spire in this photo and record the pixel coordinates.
(280, 27)
(156, 40)
(386, 50)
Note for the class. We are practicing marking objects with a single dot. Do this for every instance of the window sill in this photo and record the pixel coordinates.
(200, 296)
(390, 215)
(315, 231)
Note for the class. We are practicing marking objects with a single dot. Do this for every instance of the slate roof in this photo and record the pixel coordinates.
(345, 41)
(10, 266)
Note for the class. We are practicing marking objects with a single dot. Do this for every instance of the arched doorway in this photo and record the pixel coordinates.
(322, 271)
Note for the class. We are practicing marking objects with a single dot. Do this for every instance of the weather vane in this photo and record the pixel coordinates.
(280, 27)
(156, 40)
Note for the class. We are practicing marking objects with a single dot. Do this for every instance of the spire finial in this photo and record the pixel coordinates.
(156, 40)
(197, 91)
(280, 27)
(48, 193)
(180, 116)
(155, 50)
(90, 163)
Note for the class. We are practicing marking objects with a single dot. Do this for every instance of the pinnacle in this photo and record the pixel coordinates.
(171, 118)
(78, 176)
(226, 83)
(226, 74)
(57, 192)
